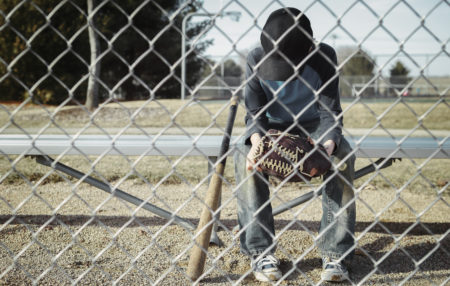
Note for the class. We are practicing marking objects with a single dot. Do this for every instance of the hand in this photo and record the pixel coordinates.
(329, 146)
(255, 138)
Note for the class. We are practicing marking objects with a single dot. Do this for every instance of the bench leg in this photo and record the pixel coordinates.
(47, 161)
(358, 174)
(372, 167)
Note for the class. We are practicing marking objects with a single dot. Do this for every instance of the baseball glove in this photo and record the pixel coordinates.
(280, 157)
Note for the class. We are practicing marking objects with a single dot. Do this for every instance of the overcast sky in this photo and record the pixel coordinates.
(420, 27)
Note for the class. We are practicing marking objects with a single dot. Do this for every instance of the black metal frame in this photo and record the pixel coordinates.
(47, 161)
(358, 174)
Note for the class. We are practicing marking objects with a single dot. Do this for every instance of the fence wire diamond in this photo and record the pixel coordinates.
(112, 115)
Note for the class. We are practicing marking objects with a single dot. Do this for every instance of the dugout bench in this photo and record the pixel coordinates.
(41, 147)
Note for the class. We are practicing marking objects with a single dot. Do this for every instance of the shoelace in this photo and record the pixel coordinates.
(333, 263)
(267, 260)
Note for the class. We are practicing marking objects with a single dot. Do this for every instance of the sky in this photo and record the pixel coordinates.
(416, 32)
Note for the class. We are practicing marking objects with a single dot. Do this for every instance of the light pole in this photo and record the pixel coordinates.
(234, 16)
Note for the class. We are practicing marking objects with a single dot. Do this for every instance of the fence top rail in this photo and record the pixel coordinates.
(206, 145)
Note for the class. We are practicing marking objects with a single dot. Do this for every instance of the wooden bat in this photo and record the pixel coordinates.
(205, 224)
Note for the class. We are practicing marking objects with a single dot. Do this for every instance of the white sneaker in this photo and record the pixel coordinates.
(333, 270)
(265, 268)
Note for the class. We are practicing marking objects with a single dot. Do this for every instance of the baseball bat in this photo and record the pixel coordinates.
(198, 253)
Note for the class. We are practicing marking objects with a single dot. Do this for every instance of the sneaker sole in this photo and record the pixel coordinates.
(330, 277)
(267, 277)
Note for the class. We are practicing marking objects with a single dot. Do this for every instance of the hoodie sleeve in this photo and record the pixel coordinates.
(329, 105)
(255, 99)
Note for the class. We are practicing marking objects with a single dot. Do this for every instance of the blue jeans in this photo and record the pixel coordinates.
(337, 227)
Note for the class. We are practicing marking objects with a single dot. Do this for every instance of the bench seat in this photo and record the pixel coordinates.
(206, 145)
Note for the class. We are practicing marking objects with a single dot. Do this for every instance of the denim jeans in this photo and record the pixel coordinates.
(336, 234)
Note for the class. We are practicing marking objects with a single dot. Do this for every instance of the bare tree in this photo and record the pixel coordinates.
(94, 69)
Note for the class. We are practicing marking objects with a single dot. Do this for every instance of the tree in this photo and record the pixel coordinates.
(357, 69)
(398, 69)
(357, 64)
(94, 73)
(145, 68)
(139, 49)
(232, 69)
(232, 75)
(399, 76)
(36, 59)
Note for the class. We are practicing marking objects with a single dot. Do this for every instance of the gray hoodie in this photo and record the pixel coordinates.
(307, 101)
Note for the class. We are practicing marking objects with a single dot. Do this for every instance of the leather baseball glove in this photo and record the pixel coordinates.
(280, 157)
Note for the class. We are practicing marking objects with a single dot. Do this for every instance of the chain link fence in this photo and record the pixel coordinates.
(127, 97)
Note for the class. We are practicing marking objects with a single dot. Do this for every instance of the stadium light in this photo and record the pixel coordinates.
(234, 16)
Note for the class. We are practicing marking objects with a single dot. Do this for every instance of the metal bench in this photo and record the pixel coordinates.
(41, 147)
(206, 145)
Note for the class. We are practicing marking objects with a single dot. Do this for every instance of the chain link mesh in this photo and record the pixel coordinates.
(152, 142)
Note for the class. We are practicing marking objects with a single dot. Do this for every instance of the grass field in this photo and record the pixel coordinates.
(405, 114)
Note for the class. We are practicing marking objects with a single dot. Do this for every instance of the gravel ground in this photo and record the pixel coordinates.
(62, 233)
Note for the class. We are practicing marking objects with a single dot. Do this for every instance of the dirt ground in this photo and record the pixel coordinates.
(62, 233)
